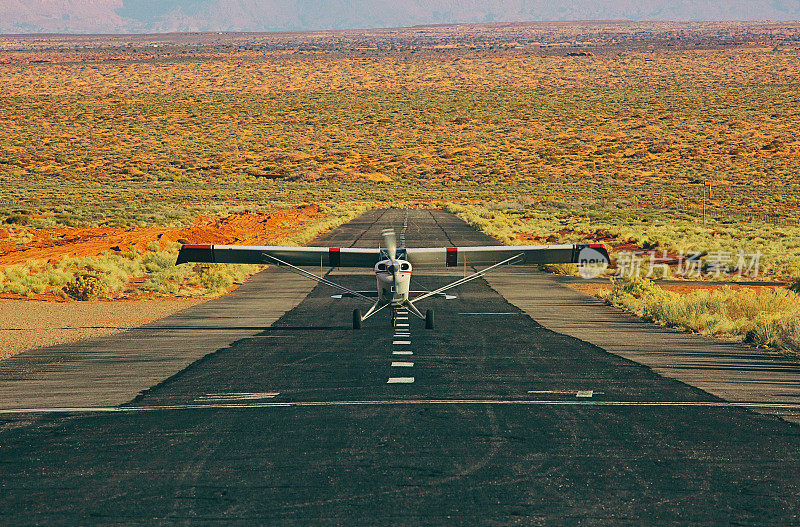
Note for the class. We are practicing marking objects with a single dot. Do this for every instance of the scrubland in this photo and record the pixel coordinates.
(524, 142)
(149, 269)
(768, 317)
(660, 233)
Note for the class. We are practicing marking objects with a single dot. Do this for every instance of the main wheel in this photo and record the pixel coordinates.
(356, 319)
(394, 318)
(429, 319)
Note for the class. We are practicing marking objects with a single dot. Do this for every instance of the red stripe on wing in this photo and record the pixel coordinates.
(196, 246)
(451, 258)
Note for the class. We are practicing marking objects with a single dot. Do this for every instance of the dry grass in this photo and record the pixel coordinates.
(768, 317)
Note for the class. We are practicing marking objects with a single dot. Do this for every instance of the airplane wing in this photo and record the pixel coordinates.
(489, 255)
(253, 254)
(412, 294)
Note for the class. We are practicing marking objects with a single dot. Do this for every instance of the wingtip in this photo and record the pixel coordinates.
(599, 247)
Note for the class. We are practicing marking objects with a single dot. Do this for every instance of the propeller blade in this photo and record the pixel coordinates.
(390, 240)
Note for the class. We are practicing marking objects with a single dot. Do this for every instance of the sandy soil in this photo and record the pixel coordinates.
(28, 324)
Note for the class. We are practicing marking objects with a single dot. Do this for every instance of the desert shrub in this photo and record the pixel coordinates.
(18, 219)
(18, 279)
(789, 333)
(158, 261)
(86, 287)
(770, 317)
(213, 277)
(178, 280)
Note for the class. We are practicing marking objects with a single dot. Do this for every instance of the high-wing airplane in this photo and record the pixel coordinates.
(393, 266)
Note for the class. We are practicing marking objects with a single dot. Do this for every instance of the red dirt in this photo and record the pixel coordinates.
(252, 229)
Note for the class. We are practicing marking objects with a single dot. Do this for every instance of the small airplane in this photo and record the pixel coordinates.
(393, 266)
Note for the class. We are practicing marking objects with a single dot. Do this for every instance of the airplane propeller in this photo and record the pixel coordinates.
(390, 240)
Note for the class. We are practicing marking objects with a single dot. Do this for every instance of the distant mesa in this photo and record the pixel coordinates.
(580, 54)
(166, 16)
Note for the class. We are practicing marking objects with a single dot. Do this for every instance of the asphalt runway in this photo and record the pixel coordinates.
(488, 419)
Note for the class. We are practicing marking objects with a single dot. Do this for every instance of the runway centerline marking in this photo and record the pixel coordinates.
(402, 402)
(402, 336)
(400, 380)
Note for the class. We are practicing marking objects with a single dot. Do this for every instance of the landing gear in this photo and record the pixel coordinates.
(357, 319)
(429, 319)
(394, 318)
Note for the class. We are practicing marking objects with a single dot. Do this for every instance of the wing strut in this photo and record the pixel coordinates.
(374, 309)
(312, 276)
(462, 281)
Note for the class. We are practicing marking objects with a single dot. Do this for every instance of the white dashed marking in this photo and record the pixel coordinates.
(398, 352)
(578, 393)
(400, 380)
(236, 396)
(402, 364)
(401, 342)
(402, 324)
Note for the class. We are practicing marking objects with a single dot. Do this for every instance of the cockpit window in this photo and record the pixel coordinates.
(404, 266)
(381, 267)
